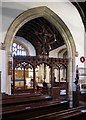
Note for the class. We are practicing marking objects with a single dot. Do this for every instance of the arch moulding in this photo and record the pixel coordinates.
(53, 18)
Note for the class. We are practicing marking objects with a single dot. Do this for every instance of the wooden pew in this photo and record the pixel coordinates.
(78, 113)
(20, 95)
(24, 100)
(22, 112)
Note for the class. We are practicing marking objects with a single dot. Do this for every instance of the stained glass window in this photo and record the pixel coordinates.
(18, 50)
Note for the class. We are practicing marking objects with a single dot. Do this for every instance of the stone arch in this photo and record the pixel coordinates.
(47, 14)
(53, 18)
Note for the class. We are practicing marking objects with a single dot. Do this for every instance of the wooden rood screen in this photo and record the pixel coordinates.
(31, 71)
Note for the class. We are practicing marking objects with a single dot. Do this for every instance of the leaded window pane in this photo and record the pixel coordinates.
(18, 50)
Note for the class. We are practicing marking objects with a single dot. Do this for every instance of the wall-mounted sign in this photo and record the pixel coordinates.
(82, 59)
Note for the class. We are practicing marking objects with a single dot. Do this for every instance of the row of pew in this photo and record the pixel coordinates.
(78, 113)
(27, 106)
(24, 99)
(36, 106)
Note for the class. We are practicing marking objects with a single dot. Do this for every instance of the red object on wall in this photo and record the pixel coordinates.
(82, 59)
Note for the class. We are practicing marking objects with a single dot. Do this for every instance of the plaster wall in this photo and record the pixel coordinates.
(54, 53)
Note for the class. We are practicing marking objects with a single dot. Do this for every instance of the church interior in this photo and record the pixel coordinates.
(42, 64)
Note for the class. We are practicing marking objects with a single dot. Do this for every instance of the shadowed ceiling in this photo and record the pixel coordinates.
(42, 34)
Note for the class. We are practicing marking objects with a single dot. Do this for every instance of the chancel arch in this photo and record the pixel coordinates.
(56, 21)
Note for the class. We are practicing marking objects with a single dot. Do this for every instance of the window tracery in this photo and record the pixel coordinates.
(18, 49)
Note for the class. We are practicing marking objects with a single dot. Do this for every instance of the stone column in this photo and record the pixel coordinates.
(71, 78)
(10, 59)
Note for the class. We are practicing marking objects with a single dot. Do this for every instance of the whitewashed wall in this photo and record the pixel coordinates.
(54, 53)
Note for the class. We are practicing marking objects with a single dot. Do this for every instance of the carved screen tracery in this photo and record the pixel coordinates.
(60, 73)
(39, 69)
(43, 73)
(23, 73)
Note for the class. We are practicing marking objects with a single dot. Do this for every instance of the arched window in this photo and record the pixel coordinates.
(18, 49)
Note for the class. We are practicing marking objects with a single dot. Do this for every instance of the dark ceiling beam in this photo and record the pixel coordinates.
(28, 27)
(31, 39)
(38, 24)
(43, 22)
(39, 29)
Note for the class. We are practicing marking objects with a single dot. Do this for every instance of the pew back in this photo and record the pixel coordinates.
(33, 109)
(24, 100)
(78, 113)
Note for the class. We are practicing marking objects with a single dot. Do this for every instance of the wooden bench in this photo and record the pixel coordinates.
(78, 113)
(23, 90)
(27, 111)
(20, 95)
(24, 100)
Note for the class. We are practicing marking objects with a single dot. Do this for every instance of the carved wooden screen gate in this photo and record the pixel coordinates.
(26, 74)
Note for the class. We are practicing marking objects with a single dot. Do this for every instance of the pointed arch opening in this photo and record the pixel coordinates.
(53, 18)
